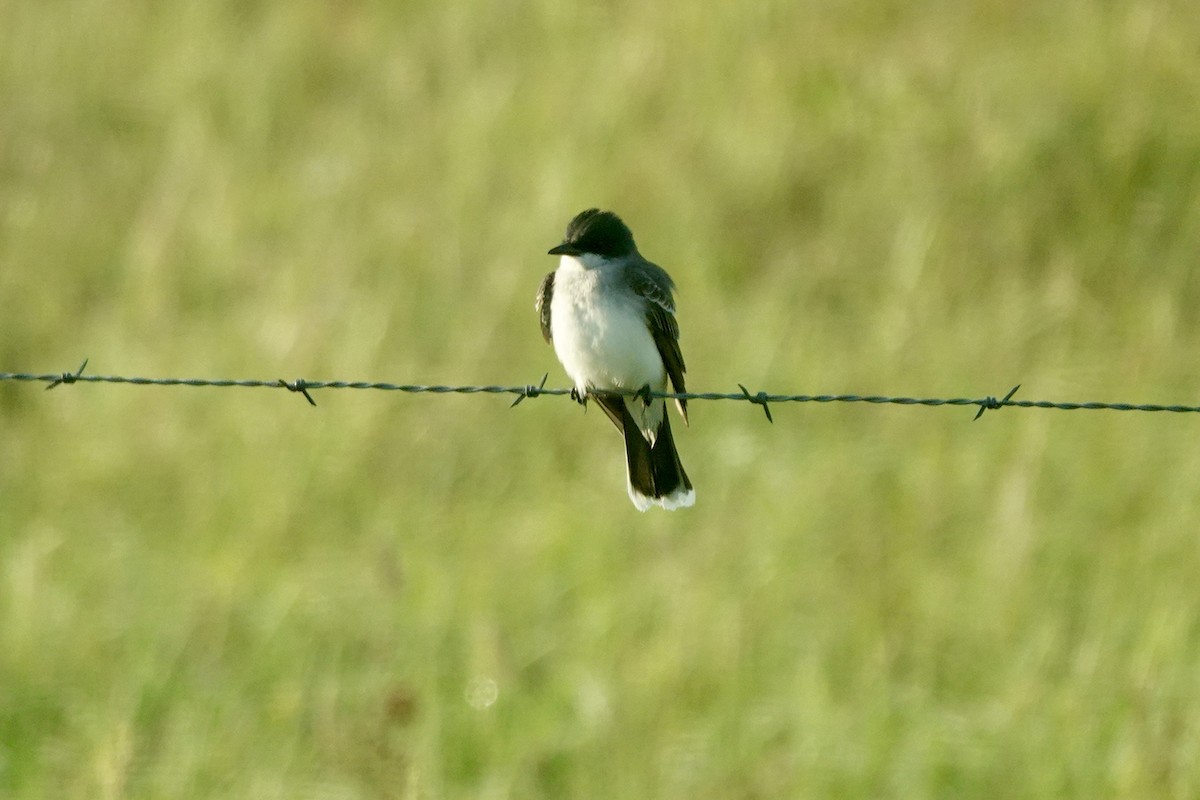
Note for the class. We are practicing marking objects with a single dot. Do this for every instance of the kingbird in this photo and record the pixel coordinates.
(610, 315)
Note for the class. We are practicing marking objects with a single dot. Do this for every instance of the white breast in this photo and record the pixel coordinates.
(599, 329)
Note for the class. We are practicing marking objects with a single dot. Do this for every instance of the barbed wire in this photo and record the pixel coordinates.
(762, 399)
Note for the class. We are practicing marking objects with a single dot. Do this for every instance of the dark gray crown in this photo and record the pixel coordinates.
(599, 232)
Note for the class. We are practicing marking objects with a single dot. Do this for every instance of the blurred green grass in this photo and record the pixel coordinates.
(213, 593)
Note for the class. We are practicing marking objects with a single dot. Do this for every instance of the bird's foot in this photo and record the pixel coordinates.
(579, 397)
(643, 394)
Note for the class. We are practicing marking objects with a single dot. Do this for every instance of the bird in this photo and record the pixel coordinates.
(610, 315)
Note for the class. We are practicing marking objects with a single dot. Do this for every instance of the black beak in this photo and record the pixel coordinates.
(563, 249)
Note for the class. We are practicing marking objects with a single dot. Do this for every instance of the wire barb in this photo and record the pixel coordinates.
(299, 385)
(68, 377)
(759, 399)
(990, 403)
(530, 391)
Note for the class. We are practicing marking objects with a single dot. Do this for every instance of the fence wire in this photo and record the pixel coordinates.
(762, 399)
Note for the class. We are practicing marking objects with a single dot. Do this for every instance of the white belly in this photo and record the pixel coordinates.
(600, 333)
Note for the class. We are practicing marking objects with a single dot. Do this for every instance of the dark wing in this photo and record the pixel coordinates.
(652, 283)
(542, 305)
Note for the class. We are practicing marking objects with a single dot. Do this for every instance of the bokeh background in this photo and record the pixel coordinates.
(229, 593)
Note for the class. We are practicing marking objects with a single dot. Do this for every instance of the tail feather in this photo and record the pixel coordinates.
(639, 463)
(670, 481)
(656, 475)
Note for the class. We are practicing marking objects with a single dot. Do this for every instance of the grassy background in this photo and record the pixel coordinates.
(227, 593)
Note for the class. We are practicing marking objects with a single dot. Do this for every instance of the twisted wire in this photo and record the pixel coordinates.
(762, 399)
